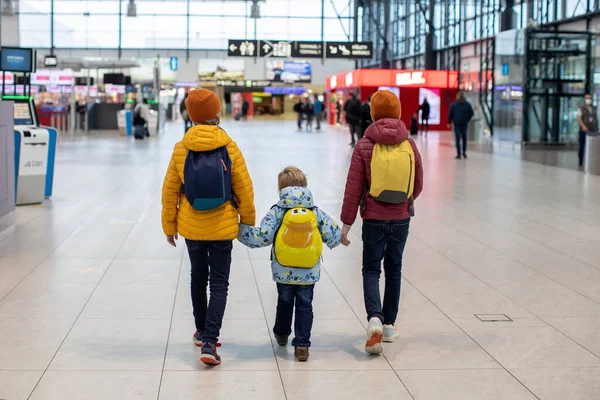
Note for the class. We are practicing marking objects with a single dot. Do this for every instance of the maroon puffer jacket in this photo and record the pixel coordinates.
(384, 131)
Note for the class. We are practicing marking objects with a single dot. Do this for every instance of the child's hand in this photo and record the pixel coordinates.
(345, 232)
(171, 239)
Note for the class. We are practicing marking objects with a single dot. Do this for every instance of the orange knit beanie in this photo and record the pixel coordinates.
(203, 107)
(385, 104)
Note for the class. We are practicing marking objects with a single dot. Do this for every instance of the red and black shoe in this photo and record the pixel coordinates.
(209, 354)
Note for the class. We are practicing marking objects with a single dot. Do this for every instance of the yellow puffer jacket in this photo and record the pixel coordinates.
(221, 223)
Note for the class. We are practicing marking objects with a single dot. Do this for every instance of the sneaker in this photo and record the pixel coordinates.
(374, 336)
(209, 354)
(281, 340)
(198, 338)
(465, 156)
(301, 353)
(390, 334)
(458, 157)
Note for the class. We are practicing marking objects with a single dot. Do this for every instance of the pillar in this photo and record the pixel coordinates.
(508, 16)
(430, 55)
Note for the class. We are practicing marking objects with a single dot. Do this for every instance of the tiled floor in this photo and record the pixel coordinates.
(95, 305)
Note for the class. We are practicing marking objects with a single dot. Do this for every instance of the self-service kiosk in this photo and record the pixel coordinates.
(35, 148)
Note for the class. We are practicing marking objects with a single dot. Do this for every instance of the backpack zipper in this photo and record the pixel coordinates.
(224, 166)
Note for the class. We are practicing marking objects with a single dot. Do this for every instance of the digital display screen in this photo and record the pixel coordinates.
(16, 60)
(435, 101)
(289, 71)
(22, 114)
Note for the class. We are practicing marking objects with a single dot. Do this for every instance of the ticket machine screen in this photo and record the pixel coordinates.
(22, 114)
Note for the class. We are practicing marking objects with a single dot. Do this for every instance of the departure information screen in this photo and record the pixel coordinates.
(22, 114)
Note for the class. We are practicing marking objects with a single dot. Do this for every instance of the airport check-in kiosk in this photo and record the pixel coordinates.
(125, 122)
(35, 148)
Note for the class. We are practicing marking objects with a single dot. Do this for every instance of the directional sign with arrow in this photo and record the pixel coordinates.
(276, 48)
(242, 48)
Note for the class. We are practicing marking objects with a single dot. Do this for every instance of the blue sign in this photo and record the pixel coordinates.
(505, 69)
(284, 90)
(174, 64)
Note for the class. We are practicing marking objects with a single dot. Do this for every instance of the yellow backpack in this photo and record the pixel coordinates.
(298, 242)
(392, 173)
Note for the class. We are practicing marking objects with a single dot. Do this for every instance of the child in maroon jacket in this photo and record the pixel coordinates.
(385, 226)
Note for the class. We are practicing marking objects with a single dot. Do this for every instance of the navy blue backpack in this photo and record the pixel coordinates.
(207, 179)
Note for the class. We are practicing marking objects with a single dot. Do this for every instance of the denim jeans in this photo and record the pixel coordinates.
(303, 296)
(383, 240)
(211, 262)
(460, 132)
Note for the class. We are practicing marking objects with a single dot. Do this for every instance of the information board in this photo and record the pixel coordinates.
(16, 59)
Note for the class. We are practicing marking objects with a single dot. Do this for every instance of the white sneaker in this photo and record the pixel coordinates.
(374, 336)
(390, 334)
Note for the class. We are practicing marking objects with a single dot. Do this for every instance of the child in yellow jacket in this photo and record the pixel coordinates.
(208, 221)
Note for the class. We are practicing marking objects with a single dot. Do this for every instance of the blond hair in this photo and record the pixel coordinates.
(291, 176)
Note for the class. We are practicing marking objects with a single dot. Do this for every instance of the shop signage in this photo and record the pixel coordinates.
(7, 78)
(55, 77)
(410, 78)
(283, 90)
(50, 61)
(243, 83)
(299, 49)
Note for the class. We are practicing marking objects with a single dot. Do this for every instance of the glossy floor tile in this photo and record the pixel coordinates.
(98, 385)
(95, 305)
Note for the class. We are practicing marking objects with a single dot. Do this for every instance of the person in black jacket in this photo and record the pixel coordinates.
(459, 116)
(365, 117)
(245, 109)
(352, 109)
(309, 111)
(425, 109)
(299, 109)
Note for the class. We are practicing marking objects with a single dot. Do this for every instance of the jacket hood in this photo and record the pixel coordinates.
(295, 196)
(205, 138)
(388, 131)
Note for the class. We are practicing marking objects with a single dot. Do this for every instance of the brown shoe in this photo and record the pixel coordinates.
(301, 353)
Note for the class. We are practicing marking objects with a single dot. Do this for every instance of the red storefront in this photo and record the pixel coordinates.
(438, 87)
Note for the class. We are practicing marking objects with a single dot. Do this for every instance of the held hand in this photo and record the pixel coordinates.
(171, 239)
(345, 232)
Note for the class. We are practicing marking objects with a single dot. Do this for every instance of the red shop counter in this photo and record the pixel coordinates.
(56, 117)
(412, 87)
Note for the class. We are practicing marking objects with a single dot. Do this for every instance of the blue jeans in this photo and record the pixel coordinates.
(303, 296)
(383, 240)
(460, 132)
(211, 262)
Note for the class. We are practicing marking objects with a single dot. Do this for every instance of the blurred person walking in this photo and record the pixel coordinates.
(299, 109)
(352, 109)
(587, 118)
(459, 116)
